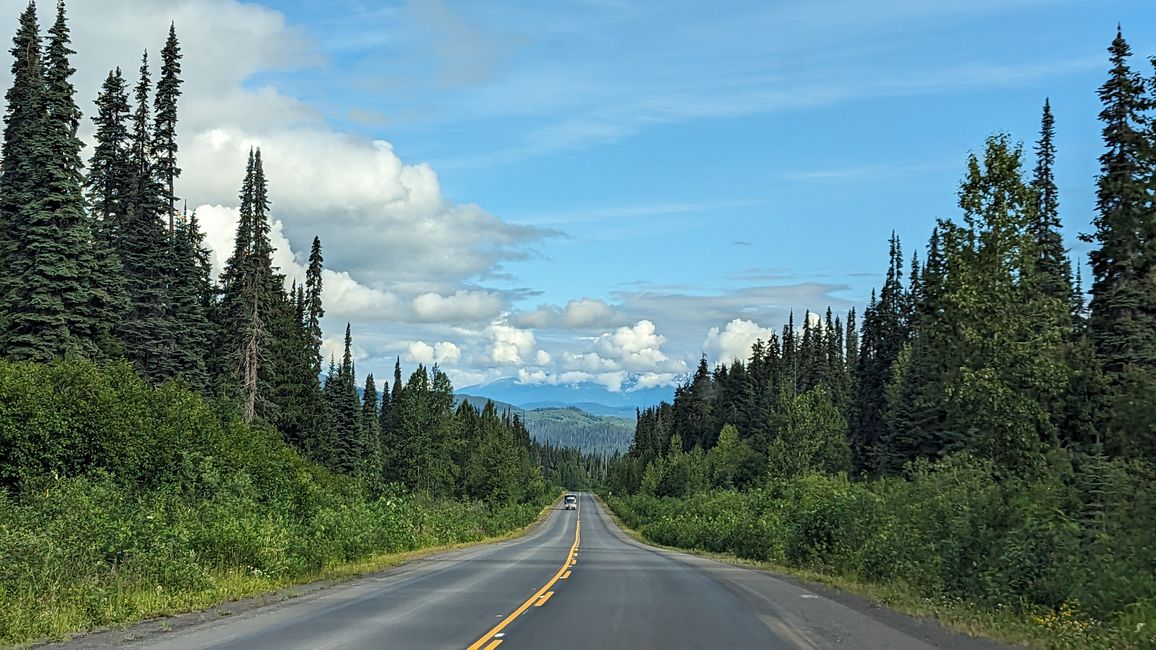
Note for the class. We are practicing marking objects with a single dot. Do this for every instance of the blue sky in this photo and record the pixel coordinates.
(703, 144)
(591, 189)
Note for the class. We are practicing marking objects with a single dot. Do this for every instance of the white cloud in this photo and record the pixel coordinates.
(440, 353)
(462, 306)
(735, 340)
(586, 312)
(637, 348)
(510, 345)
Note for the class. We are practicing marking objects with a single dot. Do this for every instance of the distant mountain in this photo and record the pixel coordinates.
(625, 412)
(479, 402)
(589, 427)
(588, 394)
(573, 427)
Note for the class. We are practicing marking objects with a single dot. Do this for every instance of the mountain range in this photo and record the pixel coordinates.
(588, 396)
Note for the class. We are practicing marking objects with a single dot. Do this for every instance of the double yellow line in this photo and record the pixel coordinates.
(488, 642)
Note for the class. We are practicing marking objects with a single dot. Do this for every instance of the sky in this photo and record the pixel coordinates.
(604, 190)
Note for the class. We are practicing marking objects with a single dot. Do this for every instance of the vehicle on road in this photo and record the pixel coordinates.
(570, 502)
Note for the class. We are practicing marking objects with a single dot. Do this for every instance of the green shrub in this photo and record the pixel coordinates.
(1071, 551)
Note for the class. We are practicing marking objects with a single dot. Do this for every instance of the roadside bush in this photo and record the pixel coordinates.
(1072, 551)
(120, 501)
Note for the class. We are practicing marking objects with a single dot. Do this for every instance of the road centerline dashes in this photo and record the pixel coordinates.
(490, 640)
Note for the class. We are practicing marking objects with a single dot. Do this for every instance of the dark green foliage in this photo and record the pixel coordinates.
(349, 452)
(1078, 538)
(1052, 261)
(146, 254)
(314, 308)
(51, 304)
(884, 332)
(164, 142)
(1122, 325)
(113, 488)
(190, 299)
(253, 304)
(576, 429)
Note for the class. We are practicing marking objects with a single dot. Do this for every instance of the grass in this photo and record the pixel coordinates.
(127, 601)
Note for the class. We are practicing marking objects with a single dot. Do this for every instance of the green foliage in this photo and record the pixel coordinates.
(811, 436)
(572, 427)
(1076, 543)
(119, 500)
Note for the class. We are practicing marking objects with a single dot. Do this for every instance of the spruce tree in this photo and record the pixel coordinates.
(253, 301)
(315, 310)
(1122, 323)
(23, 137)
(164, 143)
(54, 304)
(189, 297)
(145, 253)
(1052, 263)
(109, 182)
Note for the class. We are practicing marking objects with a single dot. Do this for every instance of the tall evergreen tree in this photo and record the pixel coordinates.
(253, 299)
(1122, 323)
(23, 136)
(110, 174)
(164, 143)
(1052, 261)
(190, 295)
(885, 332)
(145, 253)
(54, 304)
(315, 310)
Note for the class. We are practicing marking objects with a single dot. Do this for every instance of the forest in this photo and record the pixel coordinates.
(169, 441)
(981, 444)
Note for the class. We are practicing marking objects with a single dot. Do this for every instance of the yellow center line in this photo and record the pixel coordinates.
(493, 644)
(565, 575)
(480, 644)
(543, 599)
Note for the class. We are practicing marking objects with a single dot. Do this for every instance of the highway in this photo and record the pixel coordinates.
(575, 581)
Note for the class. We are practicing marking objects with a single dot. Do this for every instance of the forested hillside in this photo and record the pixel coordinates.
(575, 428)
(168, 440)
(984, 436)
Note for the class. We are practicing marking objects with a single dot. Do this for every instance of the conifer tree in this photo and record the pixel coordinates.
(253, 300)
(345, 414)
(145, 253)
(54, 304)
(164, 142)
(1122, 323)
(315, 310)
(190, 296)
(885, 332)
(110, 174)
(1052, 261)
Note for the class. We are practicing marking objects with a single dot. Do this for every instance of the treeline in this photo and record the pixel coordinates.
(978, 360)
(155, 504)
(100, 264)
(167, 439)
(573, 427)
(572, 468)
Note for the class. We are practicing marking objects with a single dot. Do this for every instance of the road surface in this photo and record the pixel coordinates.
(576, 581)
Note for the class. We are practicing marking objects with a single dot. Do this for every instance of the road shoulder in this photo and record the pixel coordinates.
(722, 567)
(390, 565)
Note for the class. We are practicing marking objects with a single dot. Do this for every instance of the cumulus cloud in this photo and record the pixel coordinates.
(440, 353)
(510, 345)
(637, 348)
(735, 340)
(586, 312)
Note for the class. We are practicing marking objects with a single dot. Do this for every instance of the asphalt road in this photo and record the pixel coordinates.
(576, 581)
